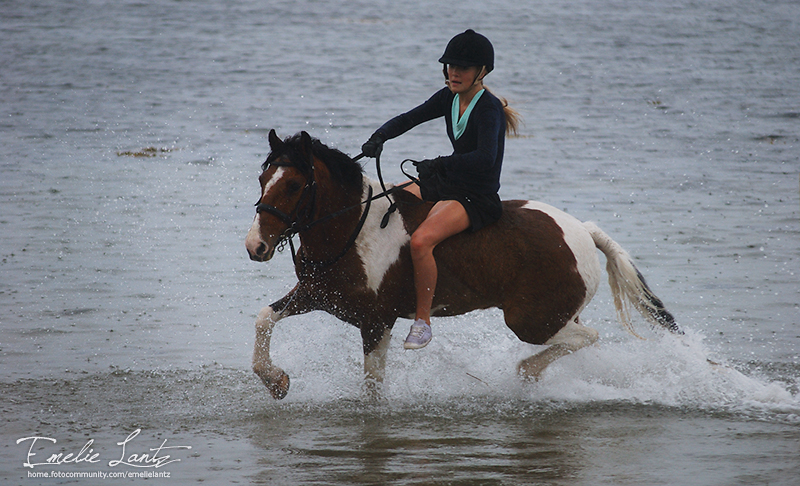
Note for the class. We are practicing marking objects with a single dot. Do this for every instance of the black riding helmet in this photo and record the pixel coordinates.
(468, 49)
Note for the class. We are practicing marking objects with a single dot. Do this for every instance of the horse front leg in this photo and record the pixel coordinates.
(276, 380)
(376, 343)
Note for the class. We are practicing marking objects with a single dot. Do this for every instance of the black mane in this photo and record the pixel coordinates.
(344, 169)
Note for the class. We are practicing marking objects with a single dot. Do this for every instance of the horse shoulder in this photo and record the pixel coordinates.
(380, 248)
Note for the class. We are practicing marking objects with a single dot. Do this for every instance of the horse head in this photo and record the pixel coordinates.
(288, 190)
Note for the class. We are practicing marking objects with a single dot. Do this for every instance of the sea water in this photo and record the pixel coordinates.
(132, 135)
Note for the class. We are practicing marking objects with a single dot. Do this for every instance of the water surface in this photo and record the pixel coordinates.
(132, 136)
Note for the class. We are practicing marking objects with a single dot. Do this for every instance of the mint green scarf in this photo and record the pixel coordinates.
(460, 124)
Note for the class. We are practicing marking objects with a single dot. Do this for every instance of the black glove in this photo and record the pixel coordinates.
(373, 146)
(427, 168)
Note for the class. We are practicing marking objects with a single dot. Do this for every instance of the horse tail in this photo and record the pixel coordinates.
(628, 285)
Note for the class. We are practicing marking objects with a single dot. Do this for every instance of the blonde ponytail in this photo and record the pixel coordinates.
(513, 118)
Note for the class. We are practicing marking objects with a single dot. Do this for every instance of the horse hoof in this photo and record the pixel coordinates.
(276, 380)
(280, 387)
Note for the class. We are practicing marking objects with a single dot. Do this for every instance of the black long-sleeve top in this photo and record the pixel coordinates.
(478, 154)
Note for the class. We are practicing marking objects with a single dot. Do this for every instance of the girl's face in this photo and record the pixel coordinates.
(462, 79)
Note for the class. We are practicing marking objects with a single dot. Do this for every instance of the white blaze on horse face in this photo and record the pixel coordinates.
(580, 242)
(380, 247)
(254, 235)
(278, 175)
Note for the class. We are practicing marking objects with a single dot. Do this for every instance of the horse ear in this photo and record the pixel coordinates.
(305, 146)
(275, 143)
(305, 141)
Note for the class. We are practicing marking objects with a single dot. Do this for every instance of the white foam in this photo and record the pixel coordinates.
(476, 356)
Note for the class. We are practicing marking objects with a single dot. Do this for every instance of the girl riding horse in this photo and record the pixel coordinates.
(464, 186)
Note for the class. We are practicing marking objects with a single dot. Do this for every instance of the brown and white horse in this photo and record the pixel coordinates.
(538, 264)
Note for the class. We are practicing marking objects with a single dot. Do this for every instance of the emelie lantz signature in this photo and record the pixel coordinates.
(153, 458)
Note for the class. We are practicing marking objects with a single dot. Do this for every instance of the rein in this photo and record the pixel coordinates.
(294, 227)
(392, 204)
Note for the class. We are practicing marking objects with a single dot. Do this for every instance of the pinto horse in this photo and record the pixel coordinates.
(538, 264)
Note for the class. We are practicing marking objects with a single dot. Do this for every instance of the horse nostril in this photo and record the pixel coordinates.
(261, 249)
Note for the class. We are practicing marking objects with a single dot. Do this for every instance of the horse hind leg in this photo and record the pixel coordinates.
(569, 339)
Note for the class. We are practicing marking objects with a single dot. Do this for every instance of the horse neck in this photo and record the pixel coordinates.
(327, 239)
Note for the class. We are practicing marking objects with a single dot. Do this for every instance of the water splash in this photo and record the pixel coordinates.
(472, 358)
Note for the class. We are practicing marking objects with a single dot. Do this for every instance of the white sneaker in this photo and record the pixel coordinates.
(419, 336)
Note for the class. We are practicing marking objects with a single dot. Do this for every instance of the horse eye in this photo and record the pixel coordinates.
(293, 187)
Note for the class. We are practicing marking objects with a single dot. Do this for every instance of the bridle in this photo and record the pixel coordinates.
(294, 221)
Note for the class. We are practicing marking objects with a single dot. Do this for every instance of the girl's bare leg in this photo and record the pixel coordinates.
(446, 219)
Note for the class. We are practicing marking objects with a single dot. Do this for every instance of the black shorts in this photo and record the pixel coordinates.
(482, 209)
